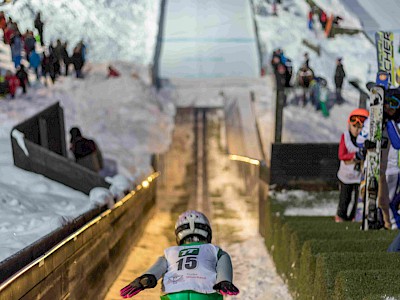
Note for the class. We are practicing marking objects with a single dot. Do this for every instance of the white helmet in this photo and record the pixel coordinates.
(192, 223)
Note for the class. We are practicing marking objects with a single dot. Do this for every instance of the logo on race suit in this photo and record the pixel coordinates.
(189, 251)
(383, 76)
(174, 279)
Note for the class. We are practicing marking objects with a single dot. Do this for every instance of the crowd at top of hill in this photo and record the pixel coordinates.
(29, 51)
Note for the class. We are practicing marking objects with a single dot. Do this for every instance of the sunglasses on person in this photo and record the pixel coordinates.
(354, 120)
(393, 102)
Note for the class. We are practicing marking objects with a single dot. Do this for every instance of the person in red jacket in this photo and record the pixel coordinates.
(323, 19)
(350, 156)
(112, 72)
(310, 21)
(3, 21)
(8, 33)
(13, 83)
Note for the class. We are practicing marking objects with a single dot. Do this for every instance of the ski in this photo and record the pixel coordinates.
(372, 216)
(385, 55)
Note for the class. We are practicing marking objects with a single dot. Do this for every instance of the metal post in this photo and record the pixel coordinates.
(363, 100)
(280, 100)
(260, 143)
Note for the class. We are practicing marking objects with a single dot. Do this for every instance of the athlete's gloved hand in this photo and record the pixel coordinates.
(226, 288)
(145, 281)
(369, 144)
(360, 155)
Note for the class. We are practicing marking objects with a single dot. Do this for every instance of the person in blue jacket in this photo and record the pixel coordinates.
(393, 166)
(34, 62)
(193, 270)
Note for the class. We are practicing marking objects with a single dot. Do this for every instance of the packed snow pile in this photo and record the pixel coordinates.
(100, 196)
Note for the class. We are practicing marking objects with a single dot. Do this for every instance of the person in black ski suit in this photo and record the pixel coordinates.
(339, 77)
(86, 151)
(58, 56)
(288, 72)
(39, 26)
(23, 78)
(77, 61)
(55, 71)
(65, 57)
(45, 67)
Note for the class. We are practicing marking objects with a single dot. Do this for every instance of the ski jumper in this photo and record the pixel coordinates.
(190, 271)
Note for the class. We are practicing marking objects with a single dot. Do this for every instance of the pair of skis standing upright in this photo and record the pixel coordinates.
(367, 207)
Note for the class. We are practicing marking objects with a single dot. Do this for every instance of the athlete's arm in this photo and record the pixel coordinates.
(394, 134)
(158, 268)
(224, 284)
(147, 280)
(224, 267)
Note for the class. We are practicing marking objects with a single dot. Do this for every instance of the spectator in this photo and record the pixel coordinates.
(350, 156)
(46, 66)
(319, 94)
(23, 78)
(8, 33)
(112, 72)
(390, 207)
(29, 43)
(274, 8)
(65, 57)
(86, 152)
(339, 77)
(323, 19)
(336, 21)
(39, 26)
(288, 72)
(16, 49)
(3, 22)
(276, 58)
(388, 194)
(310, 21)
(3, 85)
(280, 76)
(82, 49)
(306, 59)
(56, 63)
(13, 83)
(58, 49)
(395, 245)
(77, 61)
(34, 62)
(304, 77)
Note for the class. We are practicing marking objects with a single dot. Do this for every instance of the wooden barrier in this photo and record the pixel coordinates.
(19, 260)
(56, 167)
(310, 166)
(84, 265)
(44, 138)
